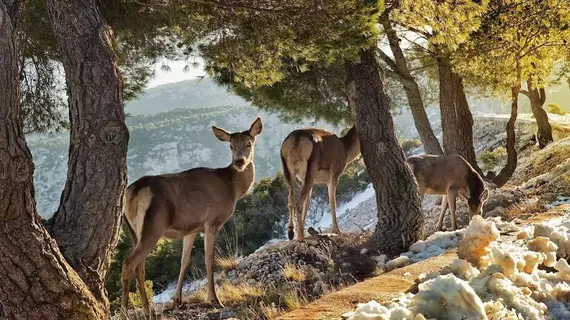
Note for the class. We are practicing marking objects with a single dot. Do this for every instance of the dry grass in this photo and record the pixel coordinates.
(227, 263)
(230, 294)
(269, 311)
(293, 299)
(292, 273)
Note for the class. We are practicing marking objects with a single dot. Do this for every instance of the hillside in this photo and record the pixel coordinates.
(193, 93)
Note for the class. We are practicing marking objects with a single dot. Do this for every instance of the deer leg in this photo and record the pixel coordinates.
(332, 202)
(442, 214)
(306, 206)
(136, 260)
(139, 274)
(291, 205)
(306, 188)
(209, 245)
(452, 199)
(188, 243)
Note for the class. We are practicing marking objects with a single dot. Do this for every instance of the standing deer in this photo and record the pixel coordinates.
(183, 204)
(450, 176)
(315, 156)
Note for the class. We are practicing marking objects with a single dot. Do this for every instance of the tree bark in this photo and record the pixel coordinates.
(86, 223)
(400, 66)
(399, 215)
(35, 280)
(508, 170)
(537, 97)
(456, 118)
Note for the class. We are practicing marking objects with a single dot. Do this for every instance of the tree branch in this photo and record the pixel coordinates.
(526, 93)
(387, 59)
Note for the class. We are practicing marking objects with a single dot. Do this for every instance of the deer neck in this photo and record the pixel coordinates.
(242, 180)
(476, 185)
(351, 145)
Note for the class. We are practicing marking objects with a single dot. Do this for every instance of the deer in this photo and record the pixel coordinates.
(315, 156)
(450, 176)
(181, 205)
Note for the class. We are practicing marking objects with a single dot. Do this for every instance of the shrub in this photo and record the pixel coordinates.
(555, 109)
(408, 145)
(490, 159)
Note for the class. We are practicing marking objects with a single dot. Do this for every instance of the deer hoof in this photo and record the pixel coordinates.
(291, 234)
(177, 301)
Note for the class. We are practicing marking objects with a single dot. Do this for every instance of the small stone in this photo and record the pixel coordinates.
(364, 251)
(522, 235)
(418, 246)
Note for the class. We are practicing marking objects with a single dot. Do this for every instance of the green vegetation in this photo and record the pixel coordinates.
(491, 159)
(555, 109)
(409, 145)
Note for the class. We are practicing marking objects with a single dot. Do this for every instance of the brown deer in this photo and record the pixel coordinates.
(183, 204)
(315, 156)
(450, 176)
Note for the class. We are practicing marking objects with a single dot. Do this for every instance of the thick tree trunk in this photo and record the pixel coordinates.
(421, 120)
(399, 215)
(35, 280)
(86, 223)
(511, 165)
(456, 118)
(537, 97)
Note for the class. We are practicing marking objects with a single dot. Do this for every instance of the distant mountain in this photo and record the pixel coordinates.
(194, 93)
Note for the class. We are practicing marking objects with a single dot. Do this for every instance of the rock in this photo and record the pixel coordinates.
(364, 251)
(380, 259)
(418, 246)
(549, 197)
(523, 235)
(397, 262)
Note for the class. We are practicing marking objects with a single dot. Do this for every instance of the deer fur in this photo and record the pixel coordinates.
(315, 156)
(450, 176)
(183, 204)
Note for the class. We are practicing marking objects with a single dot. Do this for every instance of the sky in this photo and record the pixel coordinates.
(176, 72)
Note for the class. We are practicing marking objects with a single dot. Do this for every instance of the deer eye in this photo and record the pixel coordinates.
(248, 144)
(231, 147)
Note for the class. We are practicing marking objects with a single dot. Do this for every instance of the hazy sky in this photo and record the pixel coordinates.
(176, 73)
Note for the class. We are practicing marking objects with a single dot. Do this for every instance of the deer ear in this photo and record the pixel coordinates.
(221, 134)
(256, 127)
(484, 196)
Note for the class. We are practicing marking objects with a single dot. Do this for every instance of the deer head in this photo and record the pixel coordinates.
(476, 203)
(241, 143)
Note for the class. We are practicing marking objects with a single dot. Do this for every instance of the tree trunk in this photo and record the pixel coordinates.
(421, 120)
(456, 118)
(400, 218)
(35, 280)
(537, 97)
(511, 165)
(86, 223)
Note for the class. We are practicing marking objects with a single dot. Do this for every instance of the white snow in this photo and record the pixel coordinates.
(189, 287)
(360, 197)
(503, 281)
